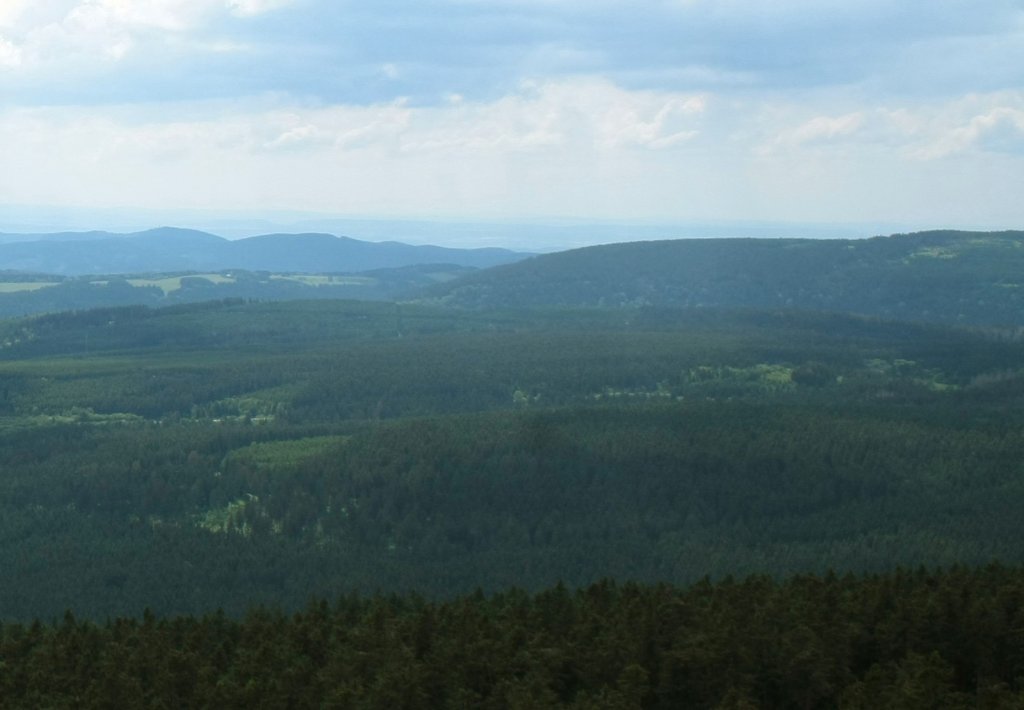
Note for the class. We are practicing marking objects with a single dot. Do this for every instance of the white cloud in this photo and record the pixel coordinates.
(824, 129)
(74, 36)
(168, 15)
(579, 146)
(1002, 131)
(10, 54)
(249, 8)
(998, 130)
(974, 124)
(10, 11)
(645, 123)
(559, 114)
(384, 155)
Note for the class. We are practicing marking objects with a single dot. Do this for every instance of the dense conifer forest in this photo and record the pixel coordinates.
(232, 453)
(940, 276)
(618, 506)
(903, 639)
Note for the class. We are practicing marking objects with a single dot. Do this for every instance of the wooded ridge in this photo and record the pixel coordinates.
(943, 276)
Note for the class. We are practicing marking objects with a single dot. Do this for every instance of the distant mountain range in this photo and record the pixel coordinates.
(170, 249)
(965, 278)
(939, 276)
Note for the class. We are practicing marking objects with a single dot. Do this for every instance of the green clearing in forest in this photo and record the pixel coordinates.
(18, 286)
(326, 279)
(285, 454)
(173, 283)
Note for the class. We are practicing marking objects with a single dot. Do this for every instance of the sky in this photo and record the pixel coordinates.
(706, 112)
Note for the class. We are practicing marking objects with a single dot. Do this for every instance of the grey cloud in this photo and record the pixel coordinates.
(332, 51)
(478, 48)
(1003, 134)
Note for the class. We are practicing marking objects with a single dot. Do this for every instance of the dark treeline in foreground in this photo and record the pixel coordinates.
(915, 640)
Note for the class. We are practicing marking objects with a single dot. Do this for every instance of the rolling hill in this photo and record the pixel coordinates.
(169, 249)
(941, 276)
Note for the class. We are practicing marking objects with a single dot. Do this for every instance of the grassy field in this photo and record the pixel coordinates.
(17, 286)
(326, 279)
(173, 283)
(278, 455)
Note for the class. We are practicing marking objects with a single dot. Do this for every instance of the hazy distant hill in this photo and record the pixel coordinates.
(965, 277)
(174, 250)
(23, 293)
(12, 237)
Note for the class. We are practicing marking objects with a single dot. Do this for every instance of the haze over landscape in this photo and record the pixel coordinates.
(512, 354)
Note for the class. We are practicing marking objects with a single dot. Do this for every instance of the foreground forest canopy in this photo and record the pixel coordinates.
(917, 640)
(227, 454)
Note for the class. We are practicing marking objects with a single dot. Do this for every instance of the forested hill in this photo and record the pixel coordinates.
(941, 276)
(169, 249)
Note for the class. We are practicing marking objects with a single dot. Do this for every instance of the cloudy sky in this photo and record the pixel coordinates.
(788, 111)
